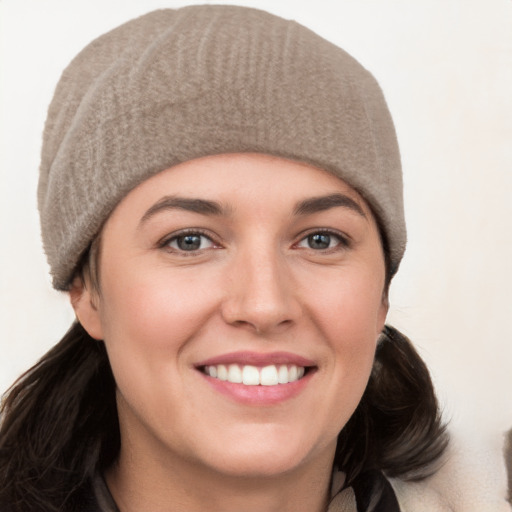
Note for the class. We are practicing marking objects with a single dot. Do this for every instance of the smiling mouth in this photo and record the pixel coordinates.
(270, 375)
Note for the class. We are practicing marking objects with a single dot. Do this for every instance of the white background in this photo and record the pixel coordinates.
(446, 70)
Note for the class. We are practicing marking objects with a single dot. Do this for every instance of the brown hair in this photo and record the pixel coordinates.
(59, 424)
(60, 427)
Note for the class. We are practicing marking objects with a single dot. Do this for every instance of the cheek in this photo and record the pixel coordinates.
(351, 308)
(350, 314)
(148, 321)
(148, 324)
(159, 307)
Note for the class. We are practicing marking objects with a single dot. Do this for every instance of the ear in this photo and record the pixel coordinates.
(85, 303)
(382, 313)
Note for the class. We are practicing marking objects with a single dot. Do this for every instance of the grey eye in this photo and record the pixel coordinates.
(190, 242)
(322, 240)
(319, 241)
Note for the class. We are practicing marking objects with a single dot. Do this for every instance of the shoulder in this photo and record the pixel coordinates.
(471, 479)
(370, 491)
(419, 497)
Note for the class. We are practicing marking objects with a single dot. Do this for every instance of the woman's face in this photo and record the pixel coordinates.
(238, 267)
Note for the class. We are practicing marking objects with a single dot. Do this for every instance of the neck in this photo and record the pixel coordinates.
(170, 484)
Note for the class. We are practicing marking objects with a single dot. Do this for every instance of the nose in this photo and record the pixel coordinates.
(260, 294)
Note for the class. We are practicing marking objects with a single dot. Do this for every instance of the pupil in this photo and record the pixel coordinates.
(189, 242)
(319, 241)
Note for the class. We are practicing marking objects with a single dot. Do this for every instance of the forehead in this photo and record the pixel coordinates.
(249, 187)
(243, 180)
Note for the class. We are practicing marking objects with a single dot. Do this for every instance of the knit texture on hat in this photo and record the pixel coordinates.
(174, 85)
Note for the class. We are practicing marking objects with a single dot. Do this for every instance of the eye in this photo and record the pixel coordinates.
(189, 242)
(322, 240)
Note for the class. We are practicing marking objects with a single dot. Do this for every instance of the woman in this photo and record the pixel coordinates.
(220, 194)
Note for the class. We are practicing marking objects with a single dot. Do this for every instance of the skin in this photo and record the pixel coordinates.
(256, 283)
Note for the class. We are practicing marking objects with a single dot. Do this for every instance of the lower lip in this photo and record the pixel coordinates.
(259, 395)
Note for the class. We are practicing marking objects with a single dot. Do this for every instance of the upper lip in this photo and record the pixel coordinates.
(257, 359)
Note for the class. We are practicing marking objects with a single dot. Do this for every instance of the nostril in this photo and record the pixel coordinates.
(263, 327)
(260, 317)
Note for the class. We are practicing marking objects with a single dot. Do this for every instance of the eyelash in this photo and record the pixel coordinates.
(343, 241)
(165, 243)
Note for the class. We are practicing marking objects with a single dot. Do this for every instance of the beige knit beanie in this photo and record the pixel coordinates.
(174, 85)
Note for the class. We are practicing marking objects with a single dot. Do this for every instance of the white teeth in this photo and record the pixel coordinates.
(222, 372)
(250, 375)
(268, 376)
(282, 374)
(234, 374)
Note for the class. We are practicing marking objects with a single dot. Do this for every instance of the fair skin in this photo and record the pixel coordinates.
(281, 267)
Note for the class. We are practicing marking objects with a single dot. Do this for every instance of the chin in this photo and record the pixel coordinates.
(263, 455)
(258, 466)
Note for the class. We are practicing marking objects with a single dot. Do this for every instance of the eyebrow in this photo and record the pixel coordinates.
(207, 207)
(202, 206)
(321, 203)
